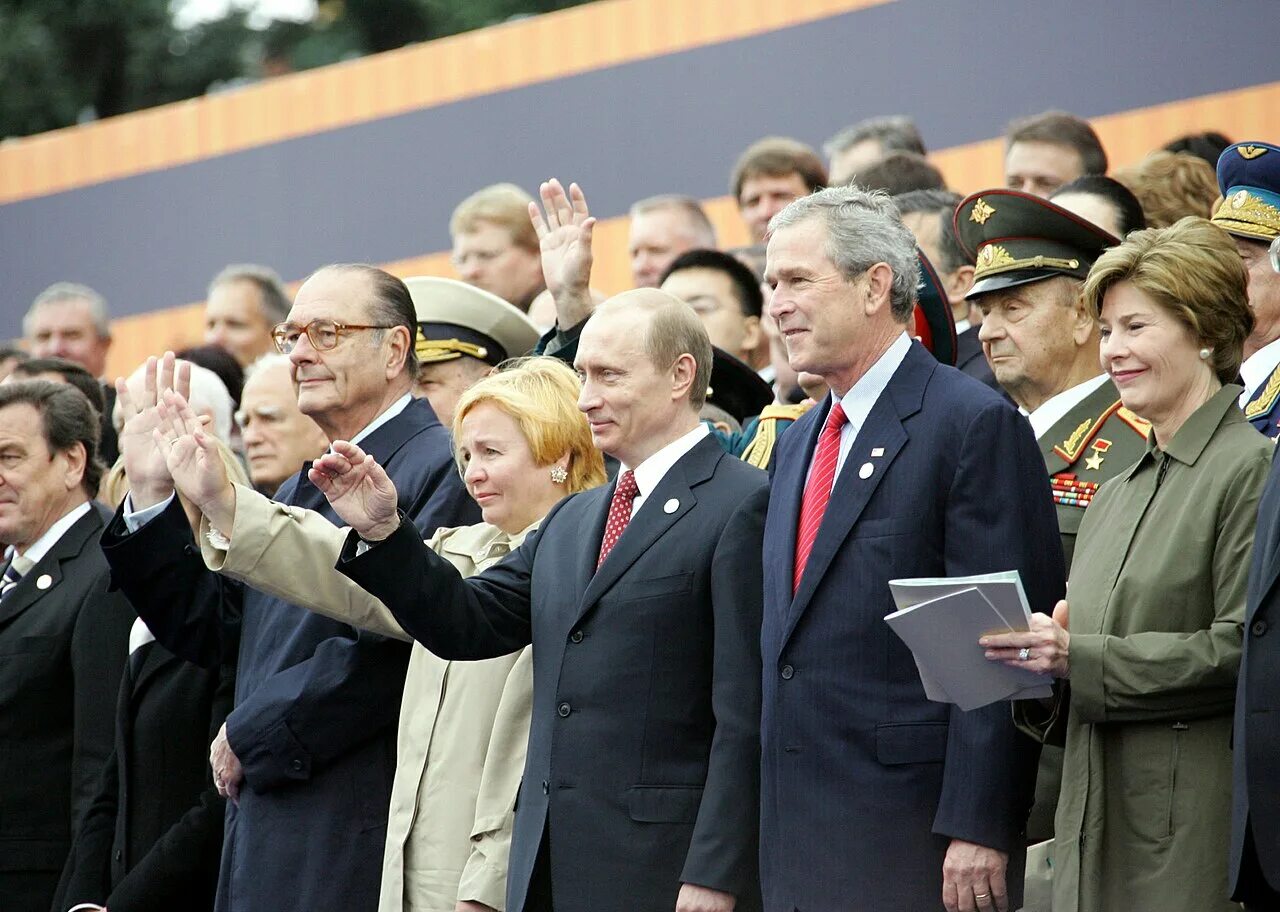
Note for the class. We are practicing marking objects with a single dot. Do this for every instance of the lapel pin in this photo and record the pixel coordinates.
(44, 582)
(866, 470)
(878, 451)
(671, 506)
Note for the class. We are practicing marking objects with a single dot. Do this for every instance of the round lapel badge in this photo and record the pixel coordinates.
(671, 506)
(866, 470)
(44, 581)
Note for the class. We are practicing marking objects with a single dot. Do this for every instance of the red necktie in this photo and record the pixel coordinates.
(619, 513)
(818, 490)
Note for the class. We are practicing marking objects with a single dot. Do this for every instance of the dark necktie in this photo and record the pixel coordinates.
(818, 490)
(11, 579)
(619, 513)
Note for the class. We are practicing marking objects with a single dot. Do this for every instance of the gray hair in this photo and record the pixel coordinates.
(898, 133)
(863, 228)
(274, 297)
(704, 231)
(266, 362)
(71, 291)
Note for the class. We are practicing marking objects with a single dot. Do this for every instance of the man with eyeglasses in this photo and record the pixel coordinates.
(308, 753)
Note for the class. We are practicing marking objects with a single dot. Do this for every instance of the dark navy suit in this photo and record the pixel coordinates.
(865, 781)
(643, 764)
(1255, 869)
(314, 723)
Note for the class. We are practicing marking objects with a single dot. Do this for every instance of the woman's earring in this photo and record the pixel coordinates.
(559, 475)
(1205, 353)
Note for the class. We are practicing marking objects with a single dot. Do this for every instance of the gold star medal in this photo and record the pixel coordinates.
(1099, 448)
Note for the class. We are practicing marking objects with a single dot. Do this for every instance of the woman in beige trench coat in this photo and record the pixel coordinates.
(1148, 642)
(522, 445)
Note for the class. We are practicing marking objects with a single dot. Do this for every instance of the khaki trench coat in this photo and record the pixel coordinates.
(463, 725)
(1157, 599)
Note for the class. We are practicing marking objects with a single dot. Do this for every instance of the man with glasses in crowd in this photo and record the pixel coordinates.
(311, 739)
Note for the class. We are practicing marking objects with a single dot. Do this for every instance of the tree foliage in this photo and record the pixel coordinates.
(66, 61)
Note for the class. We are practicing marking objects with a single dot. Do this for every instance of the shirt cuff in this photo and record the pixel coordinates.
(136, 519)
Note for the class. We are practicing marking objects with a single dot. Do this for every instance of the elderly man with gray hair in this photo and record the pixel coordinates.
(868, 142)
(68, 320)
(872, 795)
(662, 228)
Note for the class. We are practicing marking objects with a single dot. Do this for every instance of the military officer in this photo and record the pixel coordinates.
(463, 333)
(1249, 178)
(1031, 260)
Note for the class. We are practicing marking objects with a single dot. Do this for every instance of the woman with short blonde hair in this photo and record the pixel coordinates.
(1170, 186)
(1147, 647)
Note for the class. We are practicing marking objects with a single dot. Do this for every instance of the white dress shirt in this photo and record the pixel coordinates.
(135, 520)
(862, 397)
(1053, 409)
(1257, 368)
(962, 326)
(650, 472)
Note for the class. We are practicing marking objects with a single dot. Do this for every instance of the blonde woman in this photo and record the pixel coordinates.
(521, 446)
(1149, 638)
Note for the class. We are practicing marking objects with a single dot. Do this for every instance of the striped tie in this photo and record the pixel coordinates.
(818, 490)
(11, 579)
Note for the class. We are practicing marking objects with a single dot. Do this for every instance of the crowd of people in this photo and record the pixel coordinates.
(498, 593)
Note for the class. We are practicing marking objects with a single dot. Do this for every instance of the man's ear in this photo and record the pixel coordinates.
(957, 283)
(683, 373)
(397, 351)
(76, 458)
(879, 288)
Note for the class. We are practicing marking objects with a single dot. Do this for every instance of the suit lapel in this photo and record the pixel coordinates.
(157, 658)
(597, 513)
(788, 493)
(28, 591)
(652, 520)
(883, 430)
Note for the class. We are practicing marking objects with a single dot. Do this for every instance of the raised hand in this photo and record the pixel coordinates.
(194, 462)
(144, 463)
(360, 491)
(564, 236)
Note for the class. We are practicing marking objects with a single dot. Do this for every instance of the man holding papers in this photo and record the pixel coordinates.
(874, 797)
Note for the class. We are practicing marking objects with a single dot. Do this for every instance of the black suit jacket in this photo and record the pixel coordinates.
(643, 763)
(316, 704)
(153, 835)
(1256, 738)
(63, 640)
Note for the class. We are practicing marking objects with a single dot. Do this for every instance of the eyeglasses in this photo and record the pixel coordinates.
(323, 334)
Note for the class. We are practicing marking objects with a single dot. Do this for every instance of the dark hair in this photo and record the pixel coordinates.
(74, 374)
(1061, 129)
(1208, 145)
(778, 156)
(67, 418)
(1117, 194)
(390, 305)
(895, 133)
(900, 172)
(746, 287)
(221, 362)
(943, 203)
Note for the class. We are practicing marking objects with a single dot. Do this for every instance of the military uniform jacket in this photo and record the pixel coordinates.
(1094, 442)
(316, 702)
(463, 725)
(1157, 605)
(1262, 409)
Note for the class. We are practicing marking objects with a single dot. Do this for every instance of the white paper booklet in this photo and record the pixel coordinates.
(941, 619)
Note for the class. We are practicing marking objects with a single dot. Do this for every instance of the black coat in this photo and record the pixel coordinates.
(316, 704)
(63, 640)
(1256, 737)
(643, 763)
(153, 835)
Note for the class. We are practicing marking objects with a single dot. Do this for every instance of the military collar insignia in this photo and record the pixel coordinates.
(1261, 404)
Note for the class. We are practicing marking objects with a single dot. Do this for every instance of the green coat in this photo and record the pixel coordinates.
(1157, 599)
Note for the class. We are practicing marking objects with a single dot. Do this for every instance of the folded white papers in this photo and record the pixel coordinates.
(941, 619)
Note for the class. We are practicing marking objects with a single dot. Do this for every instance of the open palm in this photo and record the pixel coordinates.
(358, 489)
(191, 456)
(564, 237)
(144, 462)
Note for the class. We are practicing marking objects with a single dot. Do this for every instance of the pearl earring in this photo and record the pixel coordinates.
(1205, 353)
(559, 475)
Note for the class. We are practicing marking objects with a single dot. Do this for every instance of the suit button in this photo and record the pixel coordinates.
(575, 637)
(189, 549)
(1258, 628)
(564, 709)
(546, 787)
(119, 855)
(296, 765)
(788, 672)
